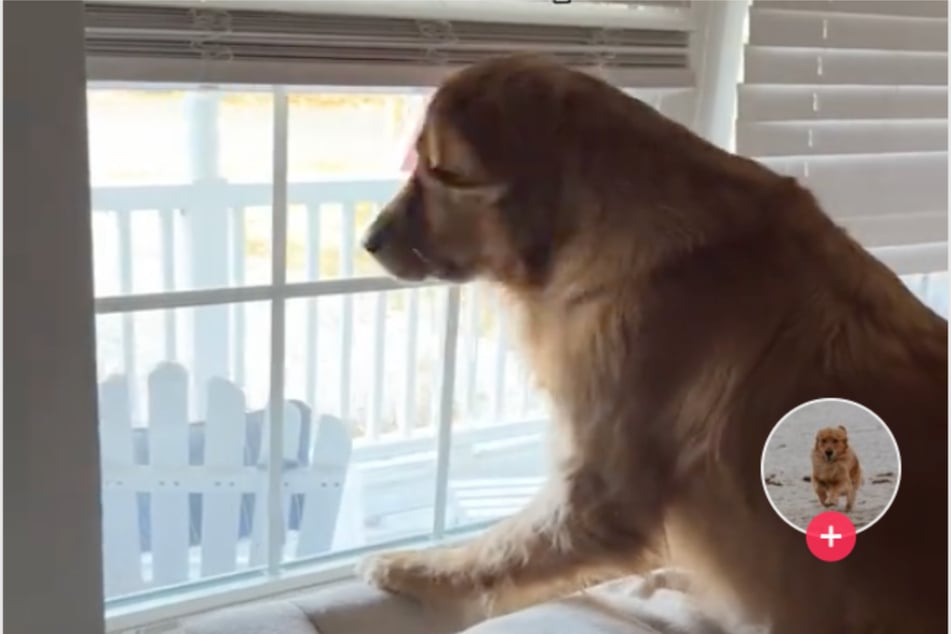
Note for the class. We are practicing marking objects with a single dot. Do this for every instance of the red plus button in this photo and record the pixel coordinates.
(830, 536)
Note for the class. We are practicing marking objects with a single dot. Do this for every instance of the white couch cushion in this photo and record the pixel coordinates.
(273, 617)
(351, 608)
(356, 608)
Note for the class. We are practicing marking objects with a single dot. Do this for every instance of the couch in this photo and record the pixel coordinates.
(356, 608)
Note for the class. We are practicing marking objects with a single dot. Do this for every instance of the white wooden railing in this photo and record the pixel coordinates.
(222, 340)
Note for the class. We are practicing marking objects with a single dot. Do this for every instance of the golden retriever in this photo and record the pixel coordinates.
(835, 467)
(675, 301)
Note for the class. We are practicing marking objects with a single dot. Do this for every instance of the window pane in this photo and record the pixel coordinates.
(499, 440)
(181, 189)
(931, 288)
(124, 150)
(348, 154)
(183, 435)
(367, 367)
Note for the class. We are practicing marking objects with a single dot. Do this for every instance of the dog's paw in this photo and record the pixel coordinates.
(414, 573)
(400, 572)
(667, 579)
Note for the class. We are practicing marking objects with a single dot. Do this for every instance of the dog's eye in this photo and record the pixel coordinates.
(445, 176)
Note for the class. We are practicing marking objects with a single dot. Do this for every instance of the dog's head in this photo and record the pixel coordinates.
(504, 156)
(832, 442)
(446, 221)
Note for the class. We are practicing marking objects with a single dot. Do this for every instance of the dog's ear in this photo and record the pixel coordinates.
(842, 427)
(818, 436)
(449, 164)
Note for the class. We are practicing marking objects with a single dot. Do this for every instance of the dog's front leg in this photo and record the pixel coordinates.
(836, 492)
(567, 531)
(849, 498)
(821, 492)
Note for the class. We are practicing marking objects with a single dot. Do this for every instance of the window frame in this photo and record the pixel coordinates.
(714, 118)
(53, 528)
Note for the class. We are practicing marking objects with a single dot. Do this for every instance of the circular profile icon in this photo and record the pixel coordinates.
(830, 455)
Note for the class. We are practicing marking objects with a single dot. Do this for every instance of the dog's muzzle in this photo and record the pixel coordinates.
(393, 238)
(397, 220)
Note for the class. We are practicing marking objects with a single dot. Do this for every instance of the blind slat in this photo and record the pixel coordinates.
(920, 258)
(813, 66)
(676, 103)
(776, 102)
(898, 228)
(769, 27)
(641, 13)
(875, 184)
(841, 137)
(919, 8)
(350, 74)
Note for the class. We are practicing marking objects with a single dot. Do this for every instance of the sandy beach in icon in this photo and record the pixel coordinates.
(787, 462)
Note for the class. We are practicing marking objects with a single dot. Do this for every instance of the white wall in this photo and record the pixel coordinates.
(52, 571)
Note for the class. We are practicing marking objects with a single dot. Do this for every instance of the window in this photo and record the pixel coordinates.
(268, 398)
(852, 99)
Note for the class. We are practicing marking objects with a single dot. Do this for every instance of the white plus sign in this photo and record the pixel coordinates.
(831, 536)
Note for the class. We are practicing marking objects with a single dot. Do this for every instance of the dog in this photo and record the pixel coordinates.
(835, 467)
(674, 301)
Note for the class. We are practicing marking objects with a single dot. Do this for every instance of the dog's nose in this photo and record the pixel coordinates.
(828, 453)
(374, 237)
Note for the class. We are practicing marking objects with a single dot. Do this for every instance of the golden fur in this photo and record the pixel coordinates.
(676, 301)
(835, 468)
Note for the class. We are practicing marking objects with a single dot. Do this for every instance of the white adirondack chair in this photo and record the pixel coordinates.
(181, 498)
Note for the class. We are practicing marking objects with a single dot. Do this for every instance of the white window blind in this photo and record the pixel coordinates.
(851, 98)
(357, 42)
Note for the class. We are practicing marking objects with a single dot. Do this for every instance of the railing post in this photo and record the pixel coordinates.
(206, 220)
(276, 532)
(450, 342)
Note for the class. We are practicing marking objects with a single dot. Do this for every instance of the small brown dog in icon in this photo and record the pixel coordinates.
(835, 468)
